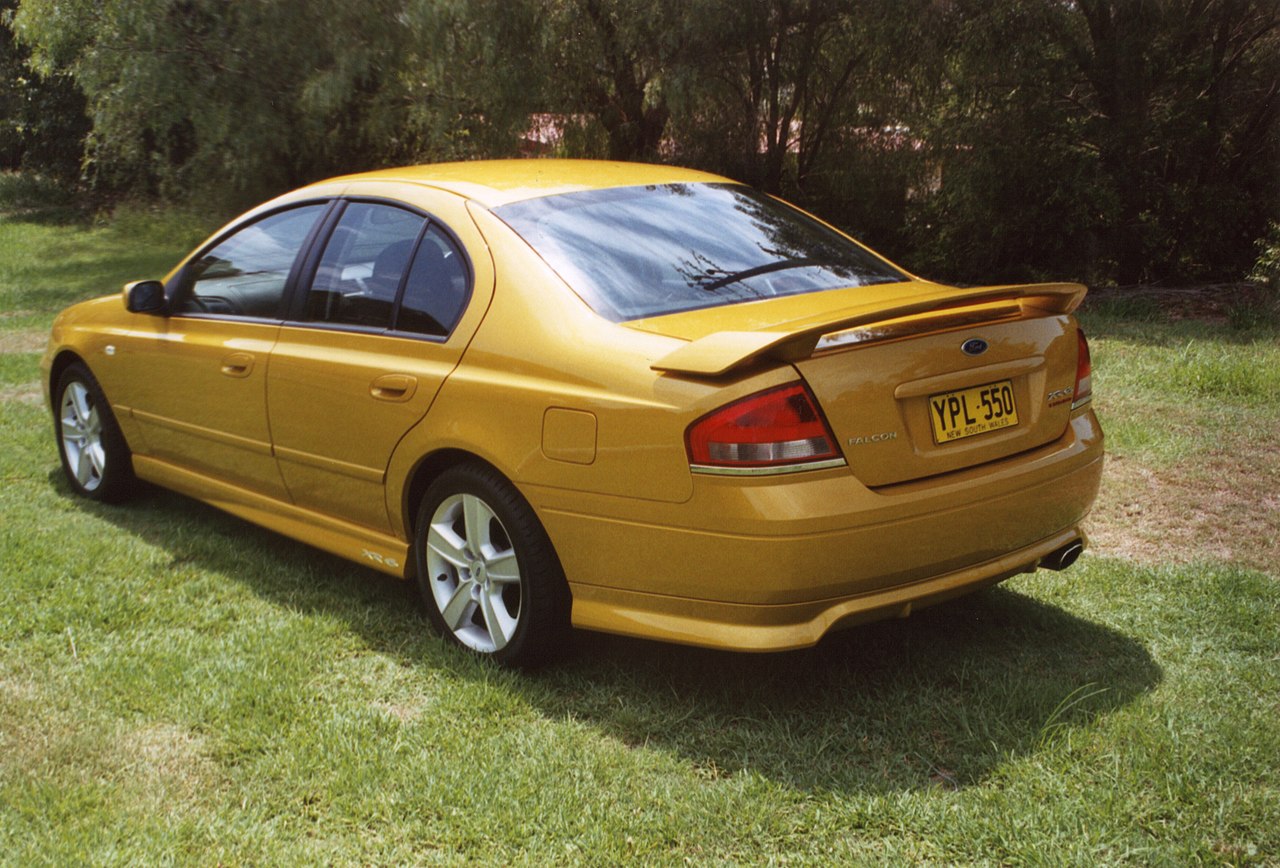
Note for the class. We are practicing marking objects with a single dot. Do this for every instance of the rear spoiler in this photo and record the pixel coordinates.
(722, 352)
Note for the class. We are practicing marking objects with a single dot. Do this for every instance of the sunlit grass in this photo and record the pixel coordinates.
(1164, 385)
(53, 255)
(179, 686)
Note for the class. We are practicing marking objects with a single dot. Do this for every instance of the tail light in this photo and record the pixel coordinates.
(775, 431)
(1084, 374)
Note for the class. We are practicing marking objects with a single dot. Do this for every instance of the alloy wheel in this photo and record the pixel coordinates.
(82, 436)
(474, 574)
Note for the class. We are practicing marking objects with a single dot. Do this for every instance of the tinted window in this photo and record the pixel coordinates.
(436, 289)
(634, 252)
(245, 274)
(363, 262)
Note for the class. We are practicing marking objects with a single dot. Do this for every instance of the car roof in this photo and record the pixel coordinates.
(498, 182)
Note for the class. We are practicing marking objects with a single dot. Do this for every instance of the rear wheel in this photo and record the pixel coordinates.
(94, 454)
(488, 575)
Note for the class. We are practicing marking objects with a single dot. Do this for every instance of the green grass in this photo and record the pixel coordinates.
(179, 686)
(1163, 381)
(52, 254)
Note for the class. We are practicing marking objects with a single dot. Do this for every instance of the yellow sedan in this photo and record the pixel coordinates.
(629, 398)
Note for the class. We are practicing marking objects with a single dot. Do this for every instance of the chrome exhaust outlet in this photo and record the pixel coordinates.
(1064, 557)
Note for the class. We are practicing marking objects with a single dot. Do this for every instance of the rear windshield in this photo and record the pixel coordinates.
(635, 252)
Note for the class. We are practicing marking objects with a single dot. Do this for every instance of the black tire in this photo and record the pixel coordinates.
(484, 534)
(95, 457)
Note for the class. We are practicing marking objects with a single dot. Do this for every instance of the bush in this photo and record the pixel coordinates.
(1267, 269)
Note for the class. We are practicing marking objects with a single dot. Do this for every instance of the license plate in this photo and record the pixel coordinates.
(976, 410)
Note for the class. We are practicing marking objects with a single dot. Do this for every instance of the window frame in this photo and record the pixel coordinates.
(299, 288)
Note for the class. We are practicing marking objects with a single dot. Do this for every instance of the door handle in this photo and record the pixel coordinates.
(237, 364)
(393, 387)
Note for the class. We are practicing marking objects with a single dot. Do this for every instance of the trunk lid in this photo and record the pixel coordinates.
(915, 408)
(915, 379)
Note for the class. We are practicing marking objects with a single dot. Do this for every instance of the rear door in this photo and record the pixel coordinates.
(375, 328)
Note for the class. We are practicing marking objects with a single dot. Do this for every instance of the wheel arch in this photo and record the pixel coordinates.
(427, 470)
(63, 360)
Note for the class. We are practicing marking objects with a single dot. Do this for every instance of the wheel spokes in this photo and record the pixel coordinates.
(473, 573)
(71, 423)
(73, 418)
(84, 467)
(497, 620)
(97, 457)
(457, 612)
(503, 568)
(80, 401)
(476, 517)
(442, 540)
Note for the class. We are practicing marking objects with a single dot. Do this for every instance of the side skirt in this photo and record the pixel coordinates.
(355, 543)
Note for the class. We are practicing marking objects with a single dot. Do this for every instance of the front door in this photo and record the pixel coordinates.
(197, 378)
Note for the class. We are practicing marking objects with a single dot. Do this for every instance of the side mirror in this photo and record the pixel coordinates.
(144, 296)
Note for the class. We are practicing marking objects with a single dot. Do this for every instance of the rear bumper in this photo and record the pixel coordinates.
(773, 564)
(786, 627)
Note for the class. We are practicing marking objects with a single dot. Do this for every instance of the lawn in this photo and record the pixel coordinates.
(179, 686)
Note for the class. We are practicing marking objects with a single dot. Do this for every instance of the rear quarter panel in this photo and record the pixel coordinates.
(558, 398)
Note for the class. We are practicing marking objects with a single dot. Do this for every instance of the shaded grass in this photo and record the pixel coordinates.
(179, 686)
(37, 199)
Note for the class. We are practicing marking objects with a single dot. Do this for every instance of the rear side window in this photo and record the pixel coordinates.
(436, 290)
(364, 262)
(245, 274)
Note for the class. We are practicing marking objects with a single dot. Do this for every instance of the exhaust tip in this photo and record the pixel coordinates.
(1064, 557)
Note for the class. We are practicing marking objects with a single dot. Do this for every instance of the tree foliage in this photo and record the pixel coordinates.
(1138, 138)
(42, 118)
(974, 139)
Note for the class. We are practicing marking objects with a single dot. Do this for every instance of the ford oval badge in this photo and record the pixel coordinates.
(974, 347)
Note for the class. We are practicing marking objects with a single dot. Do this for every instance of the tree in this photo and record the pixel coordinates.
(250, 98)
(610, 63)
(980, 139)
(42, 118)
(1121, 139)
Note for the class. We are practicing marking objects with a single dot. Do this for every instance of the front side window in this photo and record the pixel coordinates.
(363, 263)
(634, 252)
(245, 274)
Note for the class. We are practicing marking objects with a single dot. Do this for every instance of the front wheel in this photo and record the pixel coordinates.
(488, 575)
(94, 454)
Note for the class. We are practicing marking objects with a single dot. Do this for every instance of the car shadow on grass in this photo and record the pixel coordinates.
(940, 699)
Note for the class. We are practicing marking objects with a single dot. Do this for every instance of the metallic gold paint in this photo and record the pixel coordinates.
(586, 421)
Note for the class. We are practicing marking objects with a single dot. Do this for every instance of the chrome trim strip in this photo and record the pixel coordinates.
(1076, 405)
(711, 470)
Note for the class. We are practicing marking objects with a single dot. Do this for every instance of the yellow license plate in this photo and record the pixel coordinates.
(976, 410)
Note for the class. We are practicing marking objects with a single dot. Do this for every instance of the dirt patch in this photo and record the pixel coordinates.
(170, 766)
(1213, 506)
(26, 393)
(1221, 501)
(23, 341)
